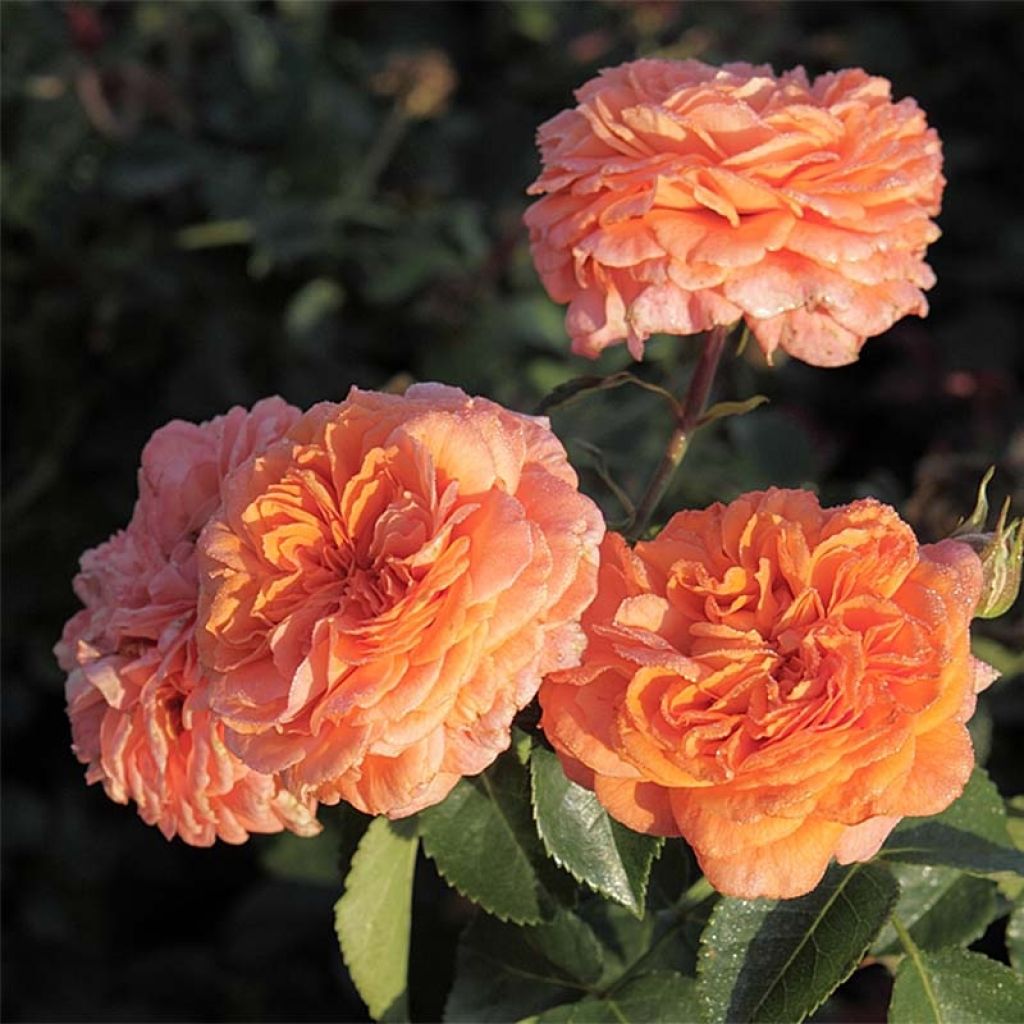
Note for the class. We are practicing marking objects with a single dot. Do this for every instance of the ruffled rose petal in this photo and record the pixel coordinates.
(373, 639)
(776, 682)
(136, 693)
(677, 196)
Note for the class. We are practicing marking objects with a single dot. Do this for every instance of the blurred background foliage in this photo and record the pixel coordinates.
(207, 203)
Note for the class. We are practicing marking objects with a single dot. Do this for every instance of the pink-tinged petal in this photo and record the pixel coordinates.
(861, 842)
(665, 309)
(731, 172)
(781, 869)
(138, 697)
(816, 338)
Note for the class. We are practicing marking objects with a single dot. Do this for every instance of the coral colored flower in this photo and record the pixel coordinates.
(678, 196)
(777, 682)
(135, 690)
(385, 588)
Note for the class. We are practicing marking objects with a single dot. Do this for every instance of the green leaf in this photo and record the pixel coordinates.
(778, 960)
(484, 842)
(970, 834)
(1012, 885)
(374, 916)
(722, 409)
(324, 859)
(1015, 820)
(1015, 934)
(940, 907)
(574, 389)
(662, 996)
(577, 831)
(505, 972)
(955, 987)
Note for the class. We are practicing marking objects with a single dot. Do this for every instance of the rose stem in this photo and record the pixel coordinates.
(689, 413)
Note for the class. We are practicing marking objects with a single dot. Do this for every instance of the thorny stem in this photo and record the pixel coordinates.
(690, 413)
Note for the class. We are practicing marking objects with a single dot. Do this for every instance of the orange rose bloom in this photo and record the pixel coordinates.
(776, 682)
(678, 196)
(136, 693)
(385, 589)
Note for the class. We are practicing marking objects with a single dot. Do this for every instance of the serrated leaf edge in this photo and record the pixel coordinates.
(337, 905)
(452, 883)
(637, 910)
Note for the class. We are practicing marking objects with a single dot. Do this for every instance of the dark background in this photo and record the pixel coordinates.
(207, 203)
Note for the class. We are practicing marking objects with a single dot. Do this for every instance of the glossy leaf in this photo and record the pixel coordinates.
(577, 831)
(955, 987)
(374, 915)
(778, 960)
(662, 997)
(505, 972)
(940, 907)
(970, 835)
(484, 842)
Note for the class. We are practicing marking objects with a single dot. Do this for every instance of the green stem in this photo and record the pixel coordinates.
(695, 895)
(686, 422)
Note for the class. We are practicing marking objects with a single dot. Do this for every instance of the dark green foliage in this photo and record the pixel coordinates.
(778, 960)
(659, 998)
(940, 907)
(955, 987)
(483, 840)
(970, 834)
(580, 835)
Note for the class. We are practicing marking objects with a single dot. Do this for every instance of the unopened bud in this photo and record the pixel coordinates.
(1001, 552)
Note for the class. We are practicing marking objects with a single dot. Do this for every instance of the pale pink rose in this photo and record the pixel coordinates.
(135, 690)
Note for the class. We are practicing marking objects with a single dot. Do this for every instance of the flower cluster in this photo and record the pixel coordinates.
(348, 604)
(678, 196)
(353, 603)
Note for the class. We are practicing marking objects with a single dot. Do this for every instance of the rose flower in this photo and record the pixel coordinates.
(135, 690)
(385, 588)
(776, 682)
(679, 196)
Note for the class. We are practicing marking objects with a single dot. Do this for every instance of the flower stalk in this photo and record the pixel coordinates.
(687, 421)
